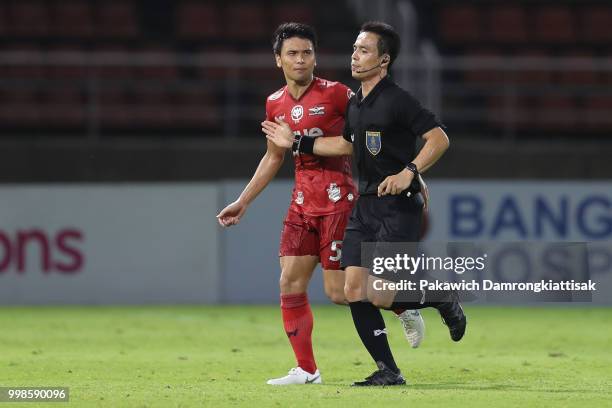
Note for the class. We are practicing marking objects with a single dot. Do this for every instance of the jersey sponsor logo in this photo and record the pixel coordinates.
(297, 113)
(299, 199)
(317, 110)
(333, 192)
(276, 95)
(373, 142)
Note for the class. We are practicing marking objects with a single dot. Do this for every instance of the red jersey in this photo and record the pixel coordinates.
(323, 185)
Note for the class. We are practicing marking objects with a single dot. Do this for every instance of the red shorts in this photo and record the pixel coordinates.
(319, 236)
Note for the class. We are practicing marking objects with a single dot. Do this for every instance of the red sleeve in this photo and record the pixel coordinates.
(268, 109)
(342, 95)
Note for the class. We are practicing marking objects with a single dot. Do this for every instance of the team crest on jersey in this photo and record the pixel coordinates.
(317, 110)
(373, 142)
(297, 113)
(334, 193)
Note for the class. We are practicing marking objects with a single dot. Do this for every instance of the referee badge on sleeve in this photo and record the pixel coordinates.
(373, 142)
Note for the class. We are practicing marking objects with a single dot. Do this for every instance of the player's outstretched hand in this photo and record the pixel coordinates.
(396, 183)
(231, 214)
(278, 133)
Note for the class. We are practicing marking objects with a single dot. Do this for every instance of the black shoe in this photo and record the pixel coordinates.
(453, 316)
(382, 377)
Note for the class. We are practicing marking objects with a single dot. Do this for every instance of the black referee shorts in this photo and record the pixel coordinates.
(391, 218)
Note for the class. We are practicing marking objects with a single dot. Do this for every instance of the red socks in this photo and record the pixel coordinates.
(298, 322)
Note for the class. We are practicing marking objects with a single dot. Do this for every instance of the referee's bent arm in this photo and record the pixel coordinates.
(436, 143)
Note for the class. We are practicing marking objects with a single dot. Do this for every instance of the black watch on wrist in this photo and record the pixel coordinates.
(413, 168)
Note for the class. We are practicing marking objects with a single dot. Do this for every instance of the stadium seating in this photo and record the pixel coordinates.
(595, 24)
(507, 24)
(578, 31)
(168, 95)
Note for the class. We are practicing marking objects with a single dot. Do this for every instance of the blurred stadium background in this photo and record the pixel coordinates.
(126, 125)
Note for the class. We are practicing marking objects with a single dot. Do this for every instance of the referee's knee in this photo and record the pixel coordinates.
(354, 291)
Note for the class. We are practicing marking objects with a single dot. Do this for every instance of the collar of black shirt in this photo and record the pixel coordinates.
(382, 84)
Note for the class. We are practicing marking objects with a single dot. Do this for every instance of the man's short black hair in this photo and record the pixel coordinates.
(289, 30)
(388, 39)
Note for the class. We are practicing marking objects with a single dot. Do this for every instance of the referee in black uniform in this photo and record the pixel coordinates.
(382, 125)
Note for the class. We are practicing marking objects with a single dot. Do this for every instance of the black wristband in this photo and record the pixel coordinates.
(306, 145)
(413, 168)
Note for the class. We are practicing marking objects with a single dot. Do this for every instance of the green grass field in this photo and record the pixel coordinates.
(222, 356)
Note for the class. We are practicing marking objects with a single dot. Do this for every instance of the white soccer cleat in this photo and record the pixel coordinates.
(414, 326)
(297, 376)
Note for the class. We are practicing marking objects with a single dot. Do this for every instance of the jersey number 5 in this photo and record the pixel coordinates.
(336, 246)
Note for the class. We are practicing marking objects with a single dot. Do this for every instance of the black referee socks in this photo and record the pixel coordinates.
(371, 328)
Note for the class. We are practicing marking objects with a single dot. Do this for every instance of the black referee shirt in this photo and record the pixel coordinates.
(384, 128)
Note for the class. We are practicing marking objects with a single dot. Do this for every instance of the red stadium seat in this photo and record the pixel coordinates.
(597, 112)
(595, 24)
(246, 21)
(72, 19)
(556, 112)
(19, 107)
(112, 106)
(554, 24)
(166, 69)
(4, 28)
(460, 24)
(116, 19)
(29, 18)
(113, 71)
(217, 72)
(198, 20)
(293, 12)
(73, 71)
(534, 76)
(485, 75)
(195, 107)
(24, 70)
(580, 76)
(510, 112)
(151, 107)
(507, 24)
(62, 106)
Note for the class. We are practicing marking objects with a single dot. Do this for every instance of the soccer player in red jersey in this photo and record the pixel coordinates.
(322, 198)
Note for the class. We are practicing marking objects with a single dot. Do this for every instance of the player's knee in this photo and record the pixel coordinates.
(336, 296)
(290, 284)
